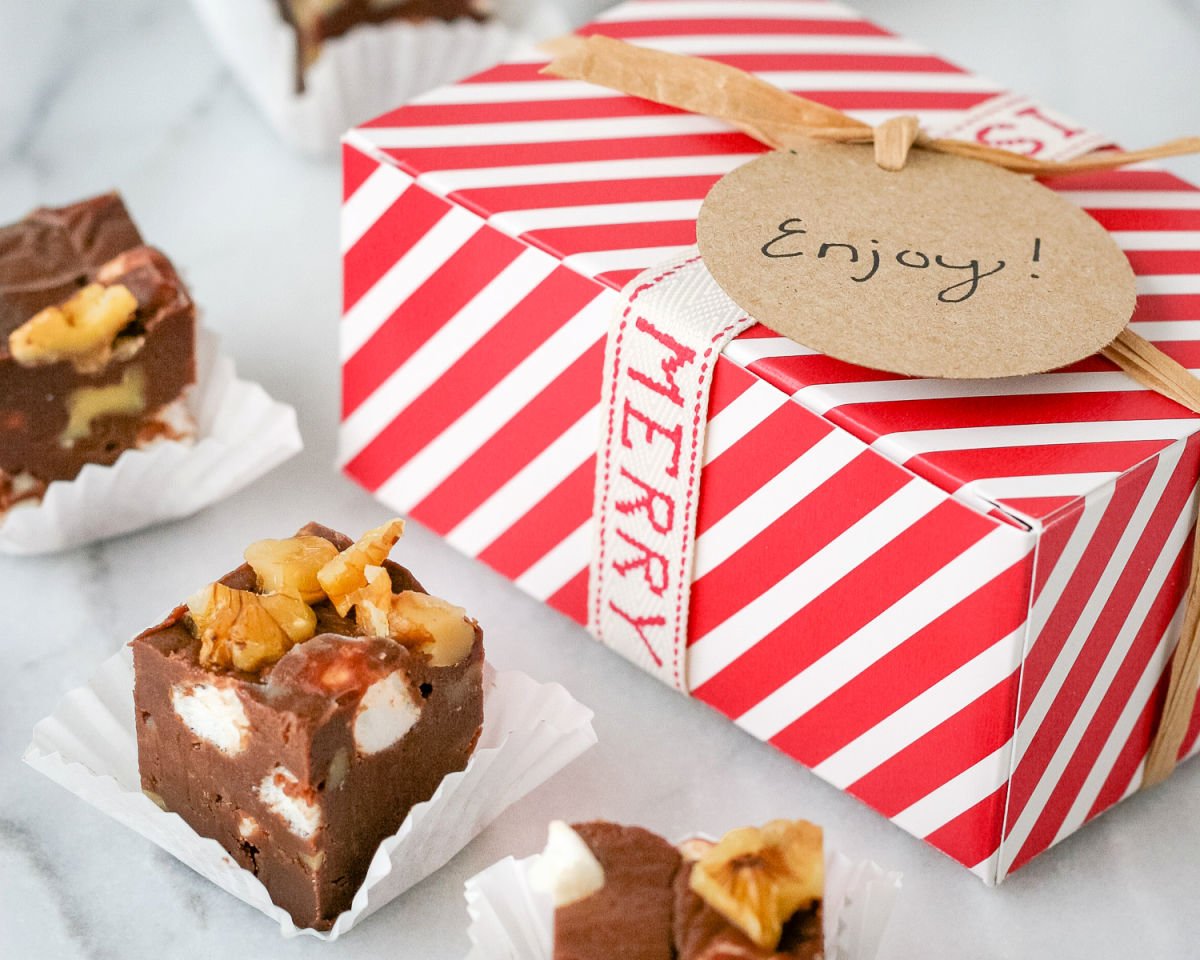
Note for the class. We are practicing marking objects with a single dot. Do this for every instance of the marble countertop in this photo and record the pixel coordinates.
(128, 93)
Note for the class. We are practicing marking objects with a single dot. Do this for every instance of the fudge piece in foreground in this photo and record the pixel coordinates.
(297, 709)
(316, 21)
(97, 344)
(623, 891)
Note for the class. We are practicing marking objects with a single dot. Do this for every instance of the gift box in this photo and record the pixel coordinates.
(956, 600)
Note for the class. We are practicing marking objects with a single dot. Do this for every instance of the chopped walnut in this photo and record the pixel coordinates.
(82, 330)
(346, 573)
(240, 630)
(290, 566)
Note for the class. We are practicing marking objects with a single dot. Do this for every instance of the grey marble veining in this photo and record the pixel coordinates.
(128, 93)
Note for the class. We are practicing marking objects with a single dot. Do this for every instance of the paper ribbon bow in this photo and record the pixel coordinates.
(782, 120)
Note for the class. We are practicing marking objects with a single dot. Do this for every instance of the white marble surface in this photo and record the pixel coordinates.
(127, 93)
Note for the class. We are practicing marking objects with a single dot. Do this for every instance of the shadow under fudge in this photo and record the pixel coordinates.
(291, 789)
(44, 260)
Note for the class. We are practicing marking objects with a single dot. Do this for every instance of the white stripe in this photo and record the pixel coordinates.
(1106, 760)
(722, 10)
(966, 574)
(1038, 485)
(1157, 239)
(404, 277)
(369, 202)
(727, 641)
(741, 416)
(558, 567)
(1168, 283)
(595, 262)
(1134, 199)
(1118, 558)
(446, 452)
(710, 45)
(753, 349)
(529, 486)
(954, 797)
(1167, 330)
(444, 182)
(516, 222)
(773, 499)
(1086, 712)
(933, 707)
(429, 362)
(901, 447)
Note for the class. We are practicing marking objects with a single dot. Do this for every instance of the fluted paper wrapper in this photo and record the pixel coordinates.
(510, 920)
(530, 731)
(241, 434)
(371, 69)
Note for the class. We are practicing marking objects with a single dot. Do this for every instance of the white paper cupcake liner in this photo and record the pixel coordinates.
(366, 72)
(241, 434)
(510, 920)
(530, 731)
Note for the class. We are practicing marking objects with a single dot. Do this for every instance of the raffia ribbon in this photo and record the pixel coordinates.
(781, 120)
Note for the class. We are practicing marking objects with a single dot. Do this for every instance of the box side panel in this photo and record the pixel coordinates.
(858, 618)
(1108, 604)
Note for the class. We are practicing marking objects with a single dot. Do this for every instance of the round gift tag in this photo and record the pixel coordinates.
(947, 268)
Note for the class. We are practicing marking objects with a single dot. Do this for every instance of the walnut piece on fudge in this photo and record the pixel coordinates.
(293, 730)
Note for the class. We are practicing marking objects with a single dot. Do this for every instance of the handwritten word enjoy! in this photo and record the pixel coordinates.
(786, 245)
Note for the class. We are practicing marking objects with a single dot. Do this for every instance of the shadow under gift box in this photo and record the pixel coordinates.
(954, 600)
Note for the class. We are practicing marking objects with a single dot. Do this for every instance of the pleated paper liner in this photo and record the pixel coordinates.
(241, 434)
(531, 731)
(366, 72)
(510, 920)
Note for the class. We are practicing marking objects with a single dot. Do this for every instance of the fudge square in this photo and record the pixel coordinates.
(295, 710)
(97, 343)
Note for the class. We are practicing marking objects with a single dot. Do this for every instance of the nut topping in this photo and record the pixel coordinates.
(759, 878)
(81, 330)
(290, 566)
(88, 404)
(237, 629)
(345, 573)
(418, 620)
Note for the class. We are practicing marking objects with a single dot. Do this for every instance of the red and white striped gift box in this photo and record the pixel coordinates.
(955, 600)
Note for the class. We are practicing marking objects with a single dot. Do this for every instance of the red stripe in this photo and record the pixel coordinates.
(794, 373)
(975, 732)
(973, 836)
(1135, 748)
(1046, 739)
(1117, 219)
(516, 444)
(1117, 695)
(729, 382)
(471, 268)
(1081, 586)
(617, 279)
(808, 526)
(488, 201)
(1167, 306)
(1154, 262)
(566, 241)
(1040, 507)
(484, 364)
(1149, 180)
(732, 26)
(572, 598)
(545, 526)
(988, 616)
(1038, 460)
(389, 238)
(774, 443)
(356, 167)
(1052, 543)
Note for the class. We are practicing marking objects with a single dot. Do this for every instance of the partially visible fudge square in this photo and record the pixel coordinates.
(97, 344)
(302, 768)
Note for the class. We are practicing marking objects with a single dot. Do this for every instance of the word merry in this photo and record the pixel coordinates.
(785, 245)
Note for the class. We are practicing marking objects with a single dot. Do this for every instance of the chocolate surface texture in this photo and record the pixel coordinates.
(54, 416)
(315, 21)
(646, 909)
(301, 771)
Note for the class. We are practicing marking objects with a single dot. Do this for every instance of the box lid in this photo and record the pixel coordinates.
(611, 184)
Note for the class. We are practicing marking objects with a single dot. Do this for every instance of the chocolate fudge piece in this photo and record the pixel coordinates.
(316, 21)
(299, 739)
(623, 891)
(97, 343)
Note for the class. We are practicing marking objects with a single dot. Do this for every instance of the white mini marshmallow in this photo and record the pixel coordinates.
(247, 827)
(386, 713)
(302, 817)
(567, 868)
(212, 713)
